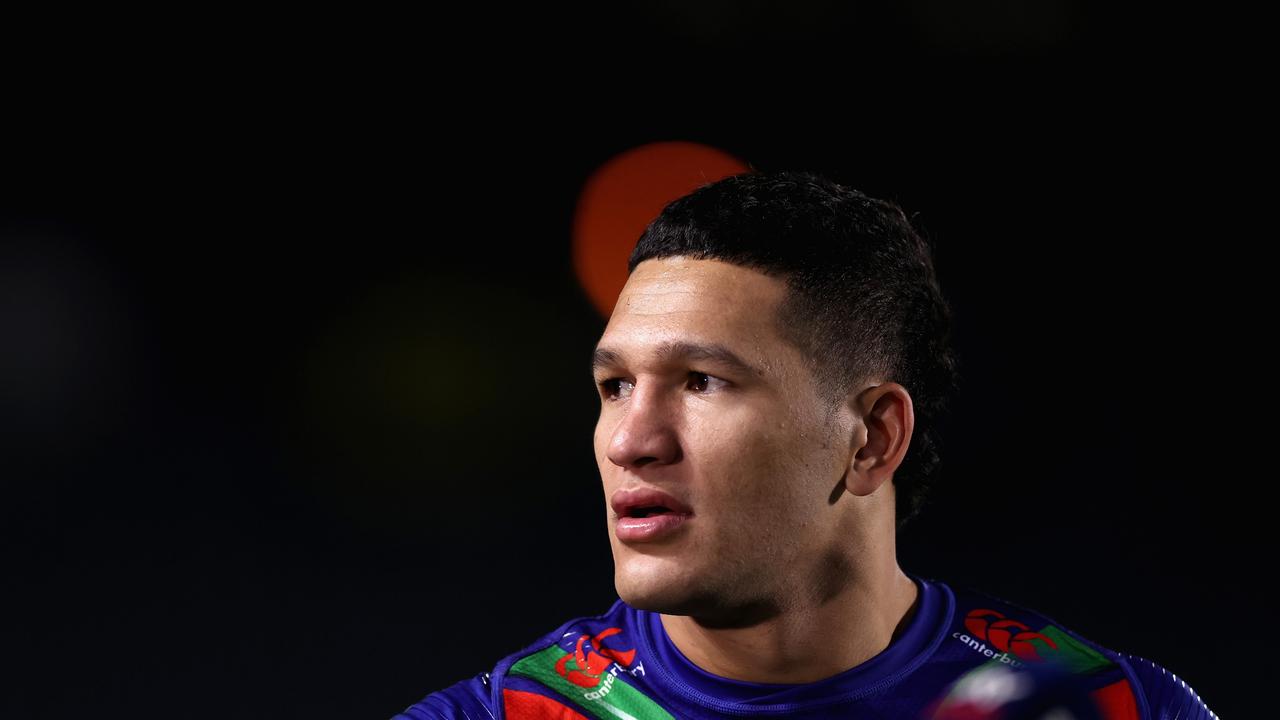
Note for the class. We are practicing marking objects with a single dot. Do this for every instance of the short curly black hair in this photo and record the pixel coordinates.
(863, 298)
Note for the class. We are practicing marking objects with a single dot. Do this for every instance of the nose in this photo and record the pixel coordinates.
(646, 432)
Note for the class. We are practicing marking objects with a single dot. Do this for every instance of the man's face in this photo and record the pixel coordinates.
(726, 476)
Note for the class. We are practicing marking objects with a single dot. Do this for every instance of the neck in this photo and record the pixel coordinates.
(806, 640)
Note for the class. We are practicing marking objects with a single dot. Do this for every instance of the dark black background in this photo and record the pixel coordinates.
(295, 411)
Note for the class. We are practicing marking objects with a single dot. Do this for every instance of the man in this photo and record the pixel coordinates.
(770, 384)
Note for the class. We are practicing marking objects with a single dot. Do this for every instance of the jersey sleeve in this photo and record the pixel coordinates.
(465, 700)
(1168, 696)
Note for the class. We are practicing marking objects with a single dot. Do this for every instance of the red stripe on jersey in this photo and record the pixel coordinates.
(1116, 701)
(521, 705)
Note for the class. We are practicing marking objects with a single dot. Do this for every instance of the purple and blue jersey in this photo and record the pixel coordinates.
(964, 655)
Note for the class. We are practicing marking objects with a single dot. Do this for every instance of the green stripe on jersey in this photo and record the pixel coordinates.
(614, 698)
(1077, 656)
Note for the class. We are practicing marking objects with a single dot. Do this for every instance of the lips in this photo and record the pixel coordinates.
(647, 514)
(643, 502)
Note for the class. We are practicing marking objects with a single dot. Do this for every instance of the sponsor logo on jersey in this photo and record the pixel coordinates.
(599, 679)
(1012, 642)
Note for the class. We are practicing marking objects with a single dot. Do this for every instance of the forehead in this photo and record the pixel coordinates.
(678, 299)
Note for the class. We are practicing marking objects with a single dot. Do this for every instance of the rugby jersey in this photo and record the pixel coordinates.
(964, 655)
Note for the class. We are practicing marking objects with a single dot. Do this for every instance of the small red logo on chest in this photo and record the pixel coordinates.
(584, 666)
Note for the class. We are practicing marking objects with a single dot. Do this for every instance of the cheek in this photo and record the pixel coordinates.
(767, 473)
(740, 469)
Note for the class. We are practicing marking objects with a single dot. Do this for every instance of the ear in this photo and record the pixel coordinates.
(885, 420)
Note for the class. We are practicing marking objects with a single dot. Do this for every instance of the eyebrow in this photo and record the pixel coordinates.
(608, 357)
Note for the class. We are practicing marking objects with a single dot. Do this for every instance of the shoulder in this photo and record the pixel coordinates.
(1019, 635)
(1120, 684)
(469, 698)
(1166, 694)
(490, 694)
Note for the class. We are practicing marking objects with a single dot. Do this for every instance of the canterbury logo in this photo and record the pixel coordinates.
(1006, 634)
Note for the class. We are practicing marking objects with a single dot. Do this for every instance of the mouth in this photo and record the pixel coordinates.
(647, 515)
(646, 511)
(645, 502)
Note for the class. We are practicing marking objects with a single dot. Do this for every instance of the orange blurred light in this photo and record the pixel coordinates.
(623, 196)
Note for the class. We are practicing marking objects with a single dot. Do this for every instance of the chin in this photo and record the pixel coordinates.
(654, 584)
(666, 600)
(663, 585)
(679, 596)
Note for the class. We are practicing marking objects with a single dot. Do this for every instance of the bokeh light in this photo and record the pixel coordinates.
(620, 199)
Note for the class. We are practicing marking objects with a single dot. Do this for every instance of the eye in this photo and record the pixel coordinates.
(705, 381)
(610, 389)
